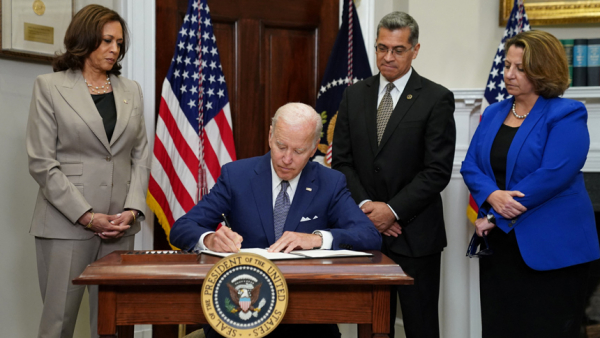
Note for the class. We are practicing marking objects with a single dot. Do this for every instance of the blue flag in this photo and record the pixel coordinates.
(348, 64)
(517, 22)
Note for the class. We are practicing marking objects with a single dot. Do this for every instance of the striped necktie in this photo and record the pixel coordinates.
(280, 211)
(384, 111)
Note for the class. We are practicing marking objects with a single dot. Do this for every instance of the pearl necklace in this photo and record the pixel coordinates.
(96, 89)
(514, 111)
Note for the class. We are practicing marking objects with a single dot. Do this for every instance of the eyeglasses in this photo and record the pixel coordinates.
(482, 244)
(397, 52)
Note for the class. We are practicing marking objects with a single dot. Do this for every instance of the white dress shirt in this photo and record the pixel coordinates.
(399, 86)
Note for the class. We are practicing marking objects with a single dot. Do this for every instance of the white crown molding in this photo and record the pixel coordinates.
(468, 109)
(575, 93)
(578, 93)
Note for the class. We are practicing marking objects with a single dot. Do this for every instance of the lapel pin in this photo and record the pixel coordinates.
(308, 189)
(409, 96)
(125, 101)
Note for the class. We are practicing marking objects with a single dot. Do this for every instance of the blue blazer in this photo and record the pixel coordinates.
(243, 193)
(544, 162)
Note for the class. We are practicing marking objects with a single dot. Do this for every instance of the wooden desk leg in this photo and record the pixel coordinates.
(107, 312)
(381, 311)
(380, 322)
(125, 331)
(364, 331)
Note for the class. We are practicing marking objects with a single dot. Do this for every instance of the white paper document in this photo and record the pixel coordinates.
(298, 254)
(330, 253)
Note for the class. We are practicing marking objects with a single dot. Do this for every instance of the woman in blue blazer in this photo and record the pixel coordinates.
(523, 168)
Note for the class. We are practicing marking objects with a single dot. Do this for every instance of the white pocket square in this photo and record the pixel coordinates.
(304, 219)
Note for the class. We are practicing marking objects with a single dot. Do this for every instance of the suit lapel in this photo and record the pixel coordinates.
(411, 90)
(302, 198)
(124, 104)
(371, 110)
(515, 147)
(75, 92)
(263, 195)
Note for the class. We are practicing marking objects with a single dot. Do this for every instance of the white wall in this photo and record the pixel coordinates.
(19, 291)
(458, 39)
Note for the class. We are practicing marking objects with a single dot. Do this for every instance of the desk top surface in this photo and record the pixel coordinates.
(159, 268)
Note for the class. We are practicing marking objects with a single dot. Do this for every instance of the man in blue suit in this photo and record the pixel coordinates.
(321, 212)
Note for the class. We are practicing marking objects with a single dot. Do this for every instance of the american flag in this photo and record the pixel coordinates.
(194, 135)
(517, 22)
(495, 90)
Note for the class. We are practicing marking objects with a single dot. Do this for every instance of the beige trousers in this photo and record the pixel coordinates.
(60, 261)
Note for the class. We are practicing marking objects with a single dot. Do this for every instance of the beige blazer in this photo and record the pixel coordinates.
(72, 160)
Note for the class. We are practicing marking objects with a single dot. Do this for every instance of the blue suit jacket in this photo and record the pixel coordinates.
(544, 162)
(243, 193)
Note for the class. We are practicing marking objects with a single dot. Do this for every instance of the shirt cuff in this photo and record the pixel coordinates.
(363, 202)
(393, 212)
(327, 240)
(200, 245)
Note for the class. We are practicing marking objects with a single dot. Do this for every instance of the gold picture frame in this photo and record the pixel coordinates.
(554, 12)
(33, 30)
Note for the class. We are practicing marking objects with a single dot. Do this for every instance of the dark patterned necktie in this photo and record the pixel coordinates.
(384, 111)
(280, 211)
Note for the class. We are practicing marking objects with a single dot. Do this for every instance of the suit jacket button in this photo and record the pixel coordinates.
(377, 169)
(107, 158)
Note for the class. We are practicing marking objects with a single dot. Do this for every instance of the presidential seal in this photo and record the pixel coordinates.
(244, 295)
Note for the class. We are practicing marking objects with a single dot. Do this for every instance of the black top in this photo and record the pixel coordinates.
(499, 153)
(105, 103)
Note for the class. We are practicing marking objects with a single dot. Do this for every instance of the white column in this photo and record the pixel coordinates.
(459, 294)
(139, 65)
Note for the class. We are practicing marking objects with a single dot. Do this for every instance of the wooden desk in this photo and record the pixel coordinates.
(153, 291)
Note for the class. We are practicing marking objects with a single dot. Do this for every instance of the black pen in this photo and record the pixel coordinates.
(226, 224)
(226, 221)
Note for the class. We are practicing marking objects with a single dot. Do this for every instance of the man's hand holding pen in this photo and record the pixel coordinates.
(224, 239)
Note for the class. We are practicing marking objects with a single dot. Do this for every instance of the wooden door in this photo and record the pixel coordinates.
(272, 52)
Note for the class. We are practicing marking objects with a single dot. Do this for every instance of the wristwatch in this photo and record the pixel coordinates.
(320, 234)
(491, 218)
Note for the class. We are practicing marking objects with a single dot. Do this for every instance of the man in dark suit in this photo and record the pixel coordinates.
(251, 192)
(394, 140)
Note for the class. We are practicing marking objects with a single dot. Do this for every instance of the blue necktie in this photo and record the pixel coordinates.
(280, 211)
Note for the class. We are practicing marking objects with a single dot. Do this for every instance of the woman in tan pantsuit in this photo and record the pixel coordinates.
(88, 151)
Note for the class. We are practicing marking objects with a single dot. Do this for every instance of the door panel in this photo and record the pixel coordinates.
(288, 70)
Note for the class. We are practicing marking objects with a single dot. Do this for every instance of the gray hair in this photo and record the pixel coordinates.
(399, 20)
(297, 113)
